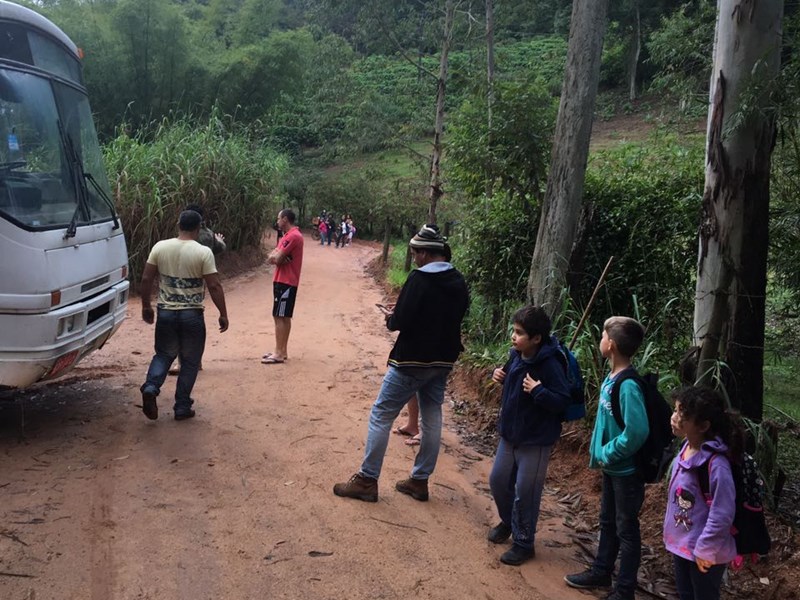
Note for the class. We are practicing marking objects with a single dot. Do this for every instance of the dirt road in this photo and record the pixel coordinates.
(100, 503)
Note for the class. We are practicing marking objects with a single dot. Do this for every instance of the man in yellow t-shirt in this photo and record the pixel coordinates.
(183, 266)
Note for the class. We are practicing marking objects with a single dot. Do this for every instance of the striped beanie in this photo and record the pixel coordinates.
(428, 238)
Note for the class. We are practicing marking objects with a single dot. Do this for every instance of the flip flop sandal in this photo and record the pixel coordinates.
(413, 441)
(402, 431)
(271, 360)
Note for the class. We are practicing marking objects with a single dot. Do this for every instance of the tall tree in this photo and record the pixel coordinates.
(732, 261)
(636, 50)
(489, 81)
(436, 191)
(562, 202)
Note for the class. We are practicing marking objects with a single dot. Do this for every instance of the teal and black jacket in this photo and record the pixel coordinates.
(612, 449)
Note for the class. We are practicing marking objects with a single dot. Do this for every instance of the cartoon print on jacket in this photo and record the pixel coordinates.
(685, 501)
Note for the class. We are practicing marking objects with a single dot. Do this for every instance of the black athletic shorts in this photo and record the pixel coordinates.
(285, 296)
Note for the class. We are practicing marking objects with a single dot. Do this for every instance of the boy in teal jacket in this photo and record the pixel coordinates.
(612, 450)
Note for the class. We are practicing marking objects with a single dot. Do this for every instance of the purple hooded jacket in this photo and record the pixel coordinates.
(697, 527)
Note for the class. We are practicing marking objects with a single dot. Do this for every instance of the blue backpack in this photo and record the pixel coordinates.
(577, 406)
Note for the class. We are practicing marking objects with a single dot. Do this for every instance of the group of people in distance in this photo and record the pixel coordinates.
(428, 317)
(329, 230)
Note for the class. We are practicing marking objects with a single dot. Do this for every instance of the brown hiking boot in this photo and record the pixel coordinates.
(360, 487)
(416, 488)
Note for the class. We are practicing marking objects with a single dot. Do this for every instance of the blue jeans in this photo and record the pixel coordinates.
(620, 503)
(399, 385)
(517, 482)
(178, 333)
(694, 585)
(322, 237)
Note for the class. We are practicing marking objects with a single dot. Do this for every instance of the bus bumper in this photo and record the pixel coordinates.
(71, 332)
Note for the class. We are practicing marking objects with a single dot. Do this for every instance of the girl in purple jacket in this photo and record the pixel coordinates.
(697, 529)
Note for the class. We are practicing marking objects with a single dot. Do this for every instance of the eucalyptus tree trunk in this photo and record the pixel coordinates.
(436, 174)
(732, 257)
(562, 202)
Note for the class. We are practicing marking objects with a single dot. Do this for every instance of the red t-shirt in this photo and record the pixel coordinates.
(291, 244)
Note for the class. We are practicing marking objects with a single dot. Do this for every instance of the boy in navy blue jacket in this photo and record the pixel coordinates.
(535, 396)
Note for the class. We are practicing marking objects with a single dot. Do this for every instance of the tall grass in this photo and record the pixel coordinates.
(159, 171)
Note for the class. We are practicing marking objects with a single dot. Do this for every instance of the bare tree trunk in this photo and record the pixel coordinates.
(436, 174)
(732, 258)
(490, 59)
(636, 51)
(387, 240)
(489, 84)
(562, 201)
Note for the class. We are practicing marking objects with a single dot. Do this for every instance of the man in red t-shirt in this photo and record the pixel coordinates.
(288, 260)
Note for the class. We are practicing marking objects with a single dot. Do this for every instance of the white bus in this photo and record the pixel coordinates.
(63, 260)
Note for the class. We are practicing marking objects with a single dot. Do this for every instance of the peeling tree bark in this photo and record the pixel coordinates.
(562, 203)
(732, 256)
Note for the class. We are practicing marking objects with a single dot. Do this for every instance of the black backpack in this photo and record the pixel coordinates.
(749, 525)
(654, 457)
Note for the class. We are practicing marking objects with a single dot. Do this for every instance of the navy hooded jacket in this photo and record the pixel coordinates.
(534, 419)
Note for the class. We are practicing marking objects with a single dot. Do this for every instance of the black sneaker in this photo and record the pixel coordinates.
(499, 533)
(149, 405)
(182, 415)
(618, 595)
(588, 579)
(516, 555)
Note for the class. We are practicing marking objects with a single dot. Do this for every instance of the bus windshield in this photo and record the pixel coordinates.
(51, 166)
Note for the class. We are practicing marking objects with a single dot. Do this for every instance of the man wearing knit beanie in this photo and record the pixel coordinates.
(428, 315)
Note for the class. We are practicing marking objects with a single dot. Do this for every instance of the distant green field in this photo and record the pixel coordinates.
(397, 163)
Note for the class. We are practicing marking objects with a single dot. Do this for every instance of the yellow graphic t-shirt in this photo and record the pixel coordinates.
(181, 265)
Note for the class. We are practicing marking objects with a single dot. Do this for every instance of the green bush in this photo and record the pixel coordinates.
(494, 248)
(156, 175)
(497, 235)
(646, 207)
(681, 51)
(514, 156)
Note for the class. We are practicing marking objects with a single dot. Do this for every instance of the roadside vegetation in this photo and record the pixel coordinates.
(160, 169)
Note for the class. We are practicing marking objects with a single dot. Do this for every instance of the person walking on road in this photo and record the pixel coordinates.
(183, 267)
(215, 241)
(288, 261)
(428, 315)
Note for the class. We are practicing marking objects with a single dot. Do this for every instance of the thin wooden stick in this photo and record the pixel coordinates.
(591, 302)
